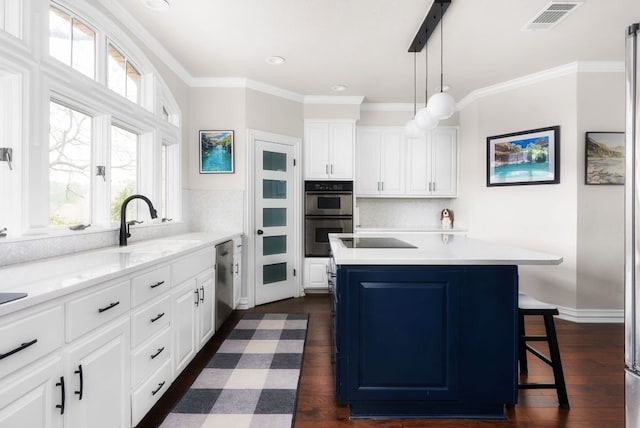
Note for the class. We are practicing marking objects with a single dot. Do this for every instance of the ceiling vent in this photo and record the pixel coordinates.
(552, 13)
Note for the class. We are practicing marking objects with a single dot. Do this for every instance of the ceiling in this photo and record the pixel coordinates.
(364, 43)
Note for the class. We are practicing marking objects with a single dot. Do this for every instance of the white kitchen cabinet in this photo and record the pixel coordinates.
(380, 161)
(97, 373)
(237, 271)
(206, 307)
(185, 299)
(33, 397)
(432, 164)
(328, 150)
(315, 273)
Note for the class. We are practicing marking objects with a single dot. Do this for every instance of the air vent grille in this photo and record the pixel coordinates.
(551, 15)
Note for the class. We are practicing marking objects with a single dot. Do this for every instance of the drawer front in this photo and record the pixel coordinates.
(150, 391)
(150, 319)
(93, 310)
(149, 357)
(191, 265)
(26, 339)
(148, 285)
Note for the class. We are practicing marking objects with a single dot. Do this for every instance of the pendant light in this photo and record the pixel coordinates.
(441, 105)
(424, 118)
(411, 129)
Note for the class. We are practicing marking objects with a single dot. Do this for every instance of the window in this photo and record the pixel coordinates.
(163, 183)
(10, 17)
(124, 171)
(122, 76)
(70, 143)
(72, 42)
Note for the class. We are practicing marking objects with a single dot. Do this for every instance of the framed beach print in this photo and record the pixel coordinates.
(604, 162)
(216, 152)
(526, 157)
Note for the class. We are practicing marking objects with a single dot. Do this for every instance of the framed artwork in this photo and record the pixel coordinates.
(216, 152)
(604, 158)
(526, 157)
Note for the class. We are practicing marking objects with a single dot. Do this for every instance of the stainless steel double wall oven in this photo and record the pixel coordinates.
(328, 208)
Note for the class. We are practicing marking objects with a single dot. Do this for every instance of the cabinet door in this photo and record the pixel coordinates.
(418, 168)
(185, 299)
(206, 307)
(368, 162)
(98, 373)
(444, 155)
(341, 151)
(391, 162)
(316, 151)
(29, 398)
(315, 273)
(237, 272)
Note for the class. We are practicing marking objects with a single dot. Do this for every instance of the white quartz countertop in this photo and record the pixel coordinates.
(54, 277)
(436, 249)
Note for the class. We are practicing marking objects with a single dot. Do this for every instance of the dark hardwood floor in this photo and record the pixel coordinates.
(592, 357)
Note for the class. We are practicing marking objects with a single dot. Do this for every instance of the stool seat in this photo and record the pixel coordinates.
(527, 305)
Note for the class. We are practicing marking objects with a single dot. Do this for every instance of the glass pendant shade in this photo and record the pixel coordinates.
(411, 129)
(425, 120)
(441, 105)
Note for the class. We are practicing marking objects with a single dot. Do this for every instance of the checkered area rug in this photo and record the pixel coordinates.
(251, 381)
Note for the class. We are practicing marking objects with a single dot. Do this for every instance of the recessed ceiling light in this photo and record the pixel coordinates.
(339, 88)
(156, 4)
(275, 60)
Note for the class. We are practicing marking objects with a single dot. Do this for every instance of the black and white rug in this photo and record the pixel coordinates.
(251, 381)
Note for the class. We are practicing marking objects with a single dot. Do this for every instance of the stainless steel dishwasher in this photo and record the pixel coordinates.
(224, 282)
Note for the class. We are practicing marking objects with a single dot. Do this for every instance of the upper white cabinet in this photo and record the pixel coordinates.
(432, 164)
(328, 150)
(390, 165)
(379, 161)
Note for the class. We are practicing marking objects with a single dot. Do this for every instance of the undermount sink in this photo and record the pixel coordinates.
(157, 246)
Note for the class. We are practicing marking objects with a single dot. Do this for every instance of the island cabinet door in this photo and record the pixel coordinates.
(401, 334)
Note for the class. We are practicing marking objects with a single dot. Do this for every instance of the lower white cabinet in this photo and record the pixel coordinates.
(126, 341)
(237, 271)
(315, 273)
(98, 379)
(34, 397)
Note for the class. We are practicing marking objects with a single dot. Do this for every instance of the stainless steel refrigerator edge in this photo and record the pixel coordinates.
(632, 245)
(224, 282)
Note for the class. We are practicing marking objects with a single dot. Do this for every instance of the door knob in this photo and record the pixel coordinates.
(260, 232)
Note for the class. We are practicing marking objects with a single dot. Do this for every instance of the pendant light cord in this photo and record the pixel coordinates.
(415, 84)
(441, 47)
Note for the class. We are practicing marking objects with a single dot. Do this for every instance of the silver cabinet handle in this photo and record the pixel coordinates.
(326, 168)
(331, 169)
(382, 186)
(434, 186)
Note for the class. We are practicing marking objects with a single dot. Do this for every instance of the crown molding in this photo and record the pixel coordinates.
(541, 76)
(403, 107)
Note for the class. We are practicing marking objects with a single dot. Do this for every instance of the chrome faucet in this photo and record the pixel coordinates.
(124, 226)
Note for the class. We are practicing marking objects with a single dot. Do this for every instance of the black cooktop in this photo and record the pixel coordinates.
(375, 243)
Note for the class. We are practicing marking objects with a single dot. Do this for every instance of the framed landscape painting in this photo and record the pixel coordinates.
(604, 163)
(216, 152)
(527, 157)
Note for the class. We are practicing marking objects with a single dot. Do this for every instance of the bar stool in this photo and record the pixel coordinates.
(529, 306)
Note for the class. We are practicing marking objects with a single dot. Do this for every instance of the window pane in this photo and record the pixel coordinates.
(69, 166)
(274, 245)
(60, 35)
(124, 157)
(165, 114)
(133, 83)
(274, 189)
(163, 184)
(273, 161)
(3, 25)
(83, 55)
(116, 75)
(272, 217)
(274, 273)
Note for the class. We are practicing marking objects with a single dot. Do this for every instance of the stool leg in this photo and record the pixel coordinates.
(554, 352)
(522, 347)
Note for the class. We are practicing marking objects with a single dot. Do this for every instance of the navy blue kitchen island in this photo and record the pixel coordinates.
(419, 336)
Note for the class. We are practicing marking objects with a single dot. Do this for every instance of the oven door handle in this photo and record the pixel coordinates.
(328, 217)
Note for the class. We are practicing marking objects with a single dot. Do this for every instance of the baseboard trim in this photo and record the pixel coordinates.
(591, 315)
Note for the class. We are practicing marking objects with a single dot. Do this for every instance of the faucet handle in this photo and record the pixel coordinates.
(130, 222)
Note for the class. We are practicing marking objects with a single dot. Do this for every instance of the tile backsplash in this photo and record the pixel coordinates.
(402, 213)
